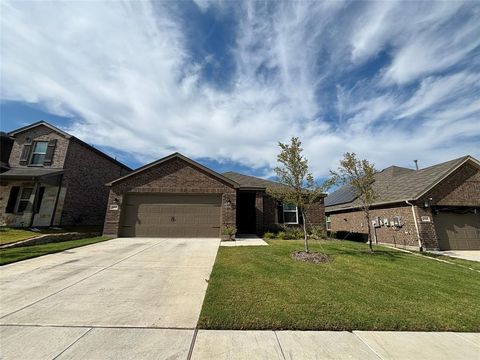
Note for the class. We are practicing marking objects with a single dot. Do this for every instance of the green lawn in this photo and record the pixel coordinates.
(8, 256)
(263, 288)
(11, 235)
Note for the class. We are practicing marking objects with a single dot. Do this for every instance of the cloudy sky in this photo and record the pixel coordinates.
(223, 82)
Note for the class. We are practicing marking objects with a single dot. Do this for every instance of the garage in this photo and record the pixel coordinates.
(457, 231)
(171, 215)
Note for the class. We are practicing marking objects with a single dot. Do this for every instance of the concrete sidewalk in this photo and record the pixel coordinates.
(63, 342)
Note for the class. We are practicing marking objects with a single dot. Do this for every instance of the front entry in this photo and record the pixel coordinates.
(246, 213)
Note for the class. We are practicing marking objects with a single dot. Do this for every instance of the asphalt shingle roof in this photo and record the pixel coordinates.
(246, 181)
(395, 184)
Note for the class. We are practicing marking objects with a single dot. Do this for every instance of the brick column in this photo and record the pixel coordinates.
(229, 208)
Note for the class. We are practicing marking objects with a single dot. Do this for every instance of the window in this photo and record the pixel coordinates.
(290, 214)
(329, 223)
(24, 199)
(39, 152)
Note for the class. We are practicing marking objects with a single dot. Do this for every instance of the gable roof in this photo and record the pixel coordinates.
(178, 156)
(250, 182)
(397, 184)
(67, 136)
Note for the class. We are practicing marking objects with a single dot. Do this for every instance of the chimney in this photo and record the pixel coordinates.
(416, 164)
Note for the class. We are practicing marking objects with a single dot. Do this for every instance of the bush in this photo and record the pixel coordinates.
(352, 236)
(317, 233)
(293, 233)
(268, 235)
(281, 235)
(229, 231)
(332, 234)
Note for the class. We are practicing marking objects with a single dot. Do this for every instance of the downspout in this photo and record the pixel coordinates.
(416, 225)
(56, 200)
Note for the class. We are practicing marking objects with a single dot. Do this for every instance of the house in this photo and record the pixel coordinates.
(178, 197)
(6, 143)
(437, 207)
(54, 178)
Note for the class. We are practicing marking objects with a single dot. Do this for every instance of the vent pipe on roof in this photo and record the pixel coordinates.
(416, 164)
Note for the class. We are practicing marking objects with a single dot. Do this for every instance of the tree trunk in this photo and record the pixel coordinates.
(305, 237)
(369, 226)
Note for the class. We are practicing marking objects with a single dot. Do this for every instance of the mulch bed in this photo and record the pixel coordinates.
(311, 257)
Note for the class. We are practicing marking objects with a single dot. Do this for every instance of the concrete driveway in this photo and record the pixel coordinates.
(98, 296)
(472, 255)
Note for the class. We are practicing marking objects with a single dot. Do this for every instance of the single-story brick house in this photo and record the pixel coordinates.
(437, 207)
(178, 197)
(52, 178)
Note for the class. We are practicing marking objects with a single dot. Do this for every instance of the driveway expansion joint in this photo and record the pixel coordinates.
(73, 343)
(280, 345)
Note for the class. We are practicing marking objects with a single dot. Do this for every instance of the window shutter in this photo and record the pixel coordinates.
(12, 199)
(27, 149)
(50, 150)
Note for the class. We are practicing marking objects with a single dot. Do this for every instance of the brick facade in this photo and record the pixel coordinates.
(174, 176)
(461, 188)
(86, 174)
(40, 133)
(78, 197)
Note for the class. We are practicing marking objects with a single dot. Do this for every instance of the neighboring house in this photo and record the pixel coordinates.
(55, 179)
(433, 208)
(6, 143)
(178, 197)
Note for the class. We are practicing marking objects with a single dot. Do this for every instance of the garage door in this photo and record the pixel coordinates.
(158, 215)
(458, 231)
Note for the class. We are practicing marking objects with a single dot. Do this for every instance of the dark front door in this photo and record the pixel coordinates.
(246, 213)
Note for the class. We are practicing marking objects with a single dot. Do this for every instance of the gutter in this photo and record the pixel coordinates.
(416, 224)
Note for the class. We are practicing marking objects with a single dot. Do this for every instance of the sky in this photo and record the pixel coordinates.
(224, 82)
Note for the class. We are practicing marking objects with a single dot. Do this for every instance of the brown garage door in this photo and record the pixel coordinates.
(164, 215)
(458, 231)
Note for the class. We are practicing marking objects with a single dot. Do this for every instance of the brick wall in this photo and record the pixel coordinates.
(86, 174)
(40, 133)
(354, 221)
(462, 188)
(173, 176)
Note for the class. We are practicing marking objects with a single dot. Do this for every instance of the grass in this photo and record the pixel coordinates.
(263, 288)
(11, 235)
(12, 255)
(462, 262)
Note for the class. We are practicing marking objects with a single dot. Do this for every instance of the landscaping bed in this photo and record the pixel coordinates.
(264, 288)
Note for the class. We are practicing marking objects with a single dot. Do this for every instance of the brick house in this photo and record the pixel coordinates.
(433, 208)
(54, 178)
(178, 197)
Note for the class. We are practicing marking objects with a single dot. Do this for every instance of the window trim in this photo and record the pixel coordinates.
(290, 211)
(328, 223)
(33, 153)
(20, 199)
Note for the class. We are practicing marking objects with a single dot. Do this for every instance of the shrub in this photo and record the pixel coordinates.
(317, 233)
(293, 233)
(268, 235)
(281, 235)
(229, 231)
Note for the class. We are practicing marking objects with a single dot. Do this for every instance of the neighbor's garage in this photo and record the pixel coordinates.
(457, 231)
(171, 215)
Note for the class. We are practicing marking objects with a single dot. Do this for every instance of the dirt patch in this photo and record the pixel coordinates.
(311, 257)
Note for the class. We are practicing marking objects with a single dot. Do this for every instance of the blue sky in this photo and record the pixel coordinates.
(223, 82)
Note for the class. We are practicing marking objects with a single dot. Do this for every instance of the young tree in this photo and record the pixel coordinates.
(360, 175)
(298, 185)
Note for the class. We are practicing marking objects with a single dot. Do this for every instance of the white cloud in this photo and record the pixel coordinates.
(125, 72)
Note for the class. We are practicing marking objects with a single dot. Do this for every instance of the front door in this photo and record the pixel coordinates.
(246, 213)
